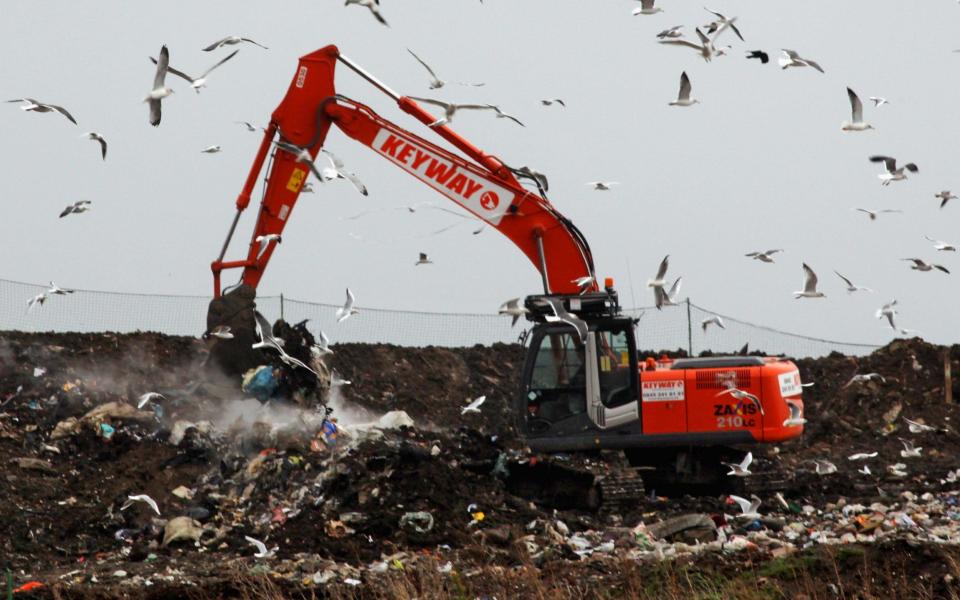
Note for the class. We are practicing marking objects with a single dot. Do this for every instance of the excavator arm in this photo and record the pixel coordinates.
(483, 186)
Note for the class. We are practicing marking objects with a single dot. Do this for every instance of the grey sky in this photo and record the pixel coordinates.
(760, 164)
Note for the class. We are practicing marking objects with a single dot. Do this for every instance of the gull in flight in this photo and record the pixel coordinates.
(945, 196)
(302, 155)
(941, 246)
(862, 456)
(683, 96)
(714, 320)
(873, 213)
(909, 450)
(748, 508)
(336, 171)
(824, 467)
(93, 135)
(373, 5)
(247, 125)
(741, 395)
(856, 107)
(513, 308)
(919, 265)
(796, 413)
(221, 332)
(264, 241)
(337, 381)
(552, 101)
(231, 40)
(892, 172)
(306, 188)
(347, 310)
(766, 257)
(672, 33)
(742, 469)
(705, 48)
(149, 397)
(211, 149)
(915, 427)
(584, 283)
(647, 8)
(197, 82)
(809, 285)
(31, 105)
(77, 207)
(763, 56)
(37, 300)
(878, 101)
(424, 260)
(851, 287)
(450, 109)
(889, 311)
(262, 551)
(864, 377)
(897, 470)
(159, 91)
(323, 347)
(474, 406)
(603, 186)
(560, 315)
(265, 333)
(141, 498)
(722, 23)
(435, 82)
(503, 115)
(667, 298)
(56, 290)
(864, 471)
(660, 281)
(790, 58)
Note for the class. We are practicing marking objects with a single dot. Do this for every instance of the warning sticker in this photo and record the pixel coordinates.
(296, 180)
(663, 391)
(790, 384)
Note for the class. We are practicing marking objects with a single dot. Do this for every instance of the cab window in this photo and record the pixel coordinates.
(558, 383)
(614, 366)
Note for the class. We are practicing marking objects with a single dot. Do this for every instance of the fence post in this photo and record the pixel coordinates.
(947, 377)
(281, 307)
(689, 331)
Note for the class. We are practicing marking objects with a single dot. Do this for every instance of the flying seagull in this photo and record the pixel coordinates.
(873, 213)
(424, 260)
(603, 186)
(473, 406)
(919, 265)
(503, 115)
(265, 333)
(560, 315)
(863, 378)
(31, 105)
(373, 5)
(93, 135)
(56, 290)
(851, 287)
(796, 414)
(878, 101)
(145, 399)
(231, 40)
(748, 508)
(450, 109)
(667, 298)
(264, 241)
(714, 320)
(159, 91)
(37, 300)
(916, 427)
(824, 467)
(323, 347)
(262, 551)
(705, 48)
(940, 245)
(856, 122)
(862, 456)
(247, 125)
(211, 149)
(552, 101)
(945, 196)
(763, 56)
(141, 498)
(672, 33)
(336, 170)
(722, 23)
(809, 285)
(660, 280)
(221, 332)
(302, 155)
(889, 311)
(790, 58)
(77, 207)
(743, 468)
(892, 172)
(514, 308)
(435, 82)
(584, 283)
(909, 450)
(683, 97)
(741, 395)
(647, 8)
(347, 310)
(198, 82)
(766, 257)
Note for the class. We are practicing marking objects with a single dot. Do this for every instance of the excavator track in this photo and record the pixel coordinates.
(621, 491)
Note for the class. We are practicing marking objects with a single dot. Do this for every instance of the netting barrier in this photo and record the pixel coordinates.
(674, 327)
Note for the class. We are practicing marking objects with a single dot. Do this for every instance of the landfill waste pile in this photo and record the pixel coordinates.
(133, 470)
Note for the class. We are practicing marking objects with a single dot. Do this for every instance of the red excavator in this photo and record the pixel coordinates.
(584, 387)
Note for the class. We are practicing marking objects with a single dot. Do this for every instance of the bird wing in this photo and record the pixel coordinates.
(790, 53)
(103, 146)
(425, 65)
(941, 268)
(686, 43)
(674, 290)
(855, 106)
(813, 64)
(66, 211)
(163, 63)
(703, 39)
(440, 103)
(889, 163)
(745, 505)
(774, 251)
(847, 281)
(684, 87)
(261, 547)
(350, 300)
(911, 167)
(254, 43)
(662, 271)
(747, 461)
(155, 112)
(809, 279)
(375, 9)
(264, 329)
(647, 4)
(733, 26)
(334, 159)
(511, 117)
(215, 45)
(223, 60)
(173, 71)
(63, 112)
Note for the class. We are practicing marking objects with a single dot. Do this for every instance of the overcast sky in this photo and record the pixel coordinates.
(760, 164)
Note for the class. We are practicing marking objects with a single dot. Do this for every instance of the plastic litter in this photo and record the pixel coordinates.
(420, 522)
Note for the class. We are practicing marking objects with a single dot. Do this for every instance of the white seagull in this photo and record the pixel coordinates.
(940, 245)
(856, 110)
(141, 498)
(668, 298)
(909, 450)
(862, 456)
(861, 378)
(748, 508)
(824, 467)
(323, 347)
(865, 470)
(232, 40)
(919, 265)
(337, 381)
(878, 101)
(790, 58)
(347, 310)
(742, 469)
(221, 332)
(37, 300)
(683, 96)
(435, 82)
(714, 320)
(262, 551)
(560, 315)
(159, 91)
(474, 406)
(302, 155)
(265, 333)
(945, 196)
(247, 125)
(93, 135)
(211, 149)
(647, 8)
(552, 101)
(77, 207)
(722, 23)
(705, 48)
(888, 310)
(584, 283)
(741, 395)
(660, 280)
(672, 33)
(149, 397)
(892, 172)
(423, 260)
(916, 427)
(31, 105)
(336, 170)
(450, 109)
(603, 186)
(503, 115)
(198, 82)
(809, 285)
(373, 5)
(851, 287)
(796, 413)
(514, 308)
(56, 290)
(873, 213)
(766, 257)
(264, 241)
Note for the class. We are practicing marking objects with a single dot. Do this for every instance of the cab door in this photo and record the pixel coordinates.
(612, 376)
